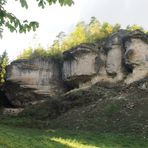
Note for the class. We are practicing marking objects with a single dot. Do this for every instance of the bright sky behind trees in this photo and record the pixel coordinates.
(55, 19)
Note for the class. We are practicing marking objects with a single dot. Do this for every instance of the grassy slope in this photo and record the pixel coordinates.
(33, 138)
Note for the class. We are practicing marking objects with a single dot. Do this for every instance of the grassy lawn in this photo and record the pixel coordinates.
(14, 137)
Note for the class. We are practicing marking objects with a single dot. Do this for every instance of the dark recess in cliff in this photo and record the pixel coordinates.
(4, 102)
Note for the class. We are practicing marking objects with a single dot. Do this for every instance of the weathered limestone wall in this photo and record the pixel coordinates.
(136, 57)
(74, 67)
(122, 57)
(42, 76)
(81, 66)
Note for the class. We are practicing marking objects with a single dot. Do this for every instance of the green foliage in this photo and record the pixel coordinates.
(94, 29)
(116, 27)
(10, 21)
(88, 33)
(3, 63)
(38, 52)
(134, 27)
(56, 49)
(26, 54)
(82, 33)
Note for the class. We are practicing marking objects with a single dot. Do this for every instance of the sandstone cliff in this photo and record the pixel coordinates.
(122, 57)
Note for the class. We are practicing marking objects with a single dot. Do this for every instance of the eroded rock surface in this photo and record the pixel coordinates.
(28, 81)
(80, 64)
(136, 56)
(121, 58)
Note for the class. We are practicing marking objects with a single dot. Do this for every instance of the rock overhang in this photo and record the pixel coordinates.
(79, 63)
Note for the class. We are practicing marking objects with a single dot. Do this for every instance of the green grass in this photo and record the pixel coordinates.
(14, 137)
(85, 113)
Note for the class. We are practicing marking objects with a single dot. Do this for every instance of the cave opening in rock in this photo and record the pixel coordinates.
(129, 68)
(72, 86)
(4, 102)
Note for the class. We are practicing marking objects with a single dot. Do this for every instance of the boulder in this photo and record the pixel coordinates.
(28, 81)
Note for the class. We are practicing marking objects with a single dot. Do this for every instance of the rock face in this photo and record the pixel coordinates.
(136, 56)
(122, 57)
(79, 64)
(115, 53)
(29, 81)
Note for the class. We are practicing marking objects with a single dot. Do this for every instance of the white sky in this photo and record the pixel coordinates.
(55, 19)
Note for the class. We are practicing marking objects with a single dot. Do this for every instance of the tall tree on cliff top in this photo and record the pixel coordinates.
(10, 21)
(3, 63)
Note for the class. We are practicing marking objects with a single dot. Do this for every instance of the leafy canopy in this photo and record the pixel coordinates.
(10, 21)
(82, 33)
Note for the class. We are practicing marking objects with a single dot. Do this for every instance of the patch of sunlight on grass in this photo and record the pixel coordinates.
(72, 143)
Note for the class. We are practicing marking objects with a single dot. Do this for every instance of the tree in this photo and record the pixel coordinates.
(3, 63)
(134, 27)
(116, 27)
(77, 36)
(26, 53)
(55, 49)
(81, 33)
(10, 21)
(106, 29)
(38, 52)
(93, 29)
